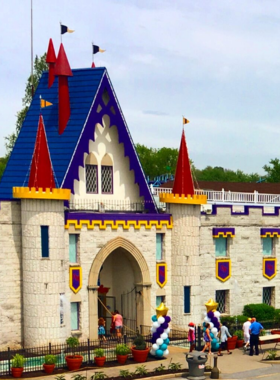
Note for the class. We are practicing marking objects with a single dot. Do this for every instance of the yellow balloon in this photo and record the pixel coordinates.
(211, 305)
(161, 310)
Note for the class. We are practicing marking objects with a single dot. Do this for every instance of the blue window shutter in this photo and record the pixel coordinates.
(187, 299)
(267, 245)
(72, 248)
(221, 246)
(158, 246)
(45, 241)
(74, 316)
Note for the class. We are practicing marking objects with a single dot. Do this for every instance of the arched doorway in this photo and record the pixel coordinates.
(121, 267)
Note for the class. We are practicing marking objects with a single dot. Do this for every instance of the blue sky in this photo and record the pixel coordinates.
(215, 62)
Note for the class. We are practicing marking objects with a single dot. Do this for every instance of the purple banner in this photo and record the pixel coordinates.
(75, 278)
(269, 268)
(161, 274)
(223, 269)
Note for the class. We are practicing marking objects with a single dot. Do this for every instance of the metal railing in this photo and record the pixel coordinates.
(106, 205)
(229, 196)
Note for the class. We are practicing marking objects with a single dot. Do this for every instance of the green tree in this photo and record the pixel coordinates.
(273, 170)
(40, 65)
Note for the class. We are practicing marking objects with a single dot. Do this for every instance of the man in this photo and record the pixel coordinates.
(255, 330)
(246, 333)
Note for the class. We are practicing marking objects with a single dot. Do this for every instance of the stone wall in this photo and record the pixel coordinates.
(245, 251)
(10, 275)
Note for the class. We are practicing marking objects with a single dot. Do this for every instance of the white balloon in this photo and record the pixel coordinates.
(161, 320)
(154, 329)
(164, 336)
(205, 313)
(206, 319)
(152, 352)
(155, 346)
(214, 330)
(167, 331)
(159, 341)
(217, 314)
(211, 325)
(166, 352)
(156, 325)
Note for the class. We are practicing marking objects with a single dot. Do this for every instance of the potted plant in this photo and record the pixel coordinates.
(17, 365)
(99, 357)
(231, 342)
(240, 340)
(49, 364)
(73, 361)
(139, 349)
(122, 351)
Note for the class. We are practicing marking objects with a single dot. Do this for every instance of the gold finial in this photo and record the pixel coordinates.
(211, 305)
(161, 310)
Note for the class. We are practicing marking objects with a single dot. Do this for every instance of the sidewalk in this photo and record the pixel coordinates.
(228, 364)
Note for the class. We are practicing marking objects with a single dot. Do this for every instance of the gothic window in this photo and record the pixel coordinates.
(91, 174)
(107, 175)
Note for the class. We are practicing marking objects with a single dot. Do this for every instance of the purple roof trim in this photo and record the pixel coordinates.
(245, 212)
(271, 231)
(90, 216)
(87, 134)
(225, 231)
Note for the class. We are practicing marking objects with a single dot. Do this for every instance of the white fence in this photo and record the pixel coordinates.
(229, 197)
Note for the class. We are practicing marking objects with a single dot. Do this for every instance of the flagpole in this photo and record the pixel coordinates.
(92, 52)
(32, 79)
(60, 33)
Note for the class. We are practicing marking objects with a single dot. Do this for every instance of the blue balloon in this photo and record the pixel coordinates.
(212, 335)
(163, 347)
(167, 319)
(214, 341)
(159, 353)
(154, 318)
(164, 325)
(217, 346)
(153, 340)
(160, 330)
(166, 341)
(156, 335)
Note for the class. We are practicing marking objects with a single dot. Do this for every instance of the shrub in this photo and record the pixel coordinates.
(79, 377)
(60, 377)
(139, 343)
(239, 334)
(277, 315)
(260, 311)
(99, 376)
(18, 361)
(50, 359)
(122, 349)
(141, 370)
(98, 352)
(271, 354)
(125, 373)
(160, 368)
(175, 366)
(72, 342)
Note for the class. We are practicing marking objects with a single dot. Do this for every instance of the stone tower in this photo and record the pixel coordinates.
(185, 207)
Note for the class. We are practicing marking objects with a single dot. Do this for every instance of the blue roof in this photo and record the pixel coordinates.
(83, 87)
(67, 150)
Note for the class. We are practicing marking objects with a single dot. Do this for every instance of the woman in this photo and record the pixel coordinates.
(118, 319)
(224, 334)
(207, 338)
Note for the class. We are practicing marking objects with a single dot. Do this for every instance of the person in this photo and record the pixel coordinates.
(254, 331)
(224, 334)
(191, 336)
(113, 327)
(101, 329)
(118, 319)
(207, 338)
(246, 333)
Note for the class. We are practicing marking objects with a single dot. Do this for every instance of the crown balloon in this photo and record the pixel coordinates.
(161, 310)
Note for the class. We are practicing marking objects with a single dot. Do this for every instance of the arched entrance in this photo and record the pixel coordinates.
(120, 266)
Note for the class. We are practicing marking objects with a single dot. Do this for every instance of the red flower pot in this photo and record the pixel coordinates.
(17, 372)
(49, 368)
(276, 332)
(239, 343)
(100, 361)
(140, 356)
(73, 362)
(122, 359)
(231, 343)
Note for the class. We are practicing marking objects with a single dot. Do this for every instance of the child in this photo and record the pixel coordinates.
(191, 336)
(207, 338)
(101, 329)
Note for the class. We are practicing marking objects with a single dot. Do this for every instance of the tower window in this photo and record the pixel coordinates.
(45, 241)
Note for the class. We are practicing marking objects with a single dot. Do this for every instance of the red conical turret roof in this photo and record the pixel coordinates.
(51, 57)
(62, 67)
(41, 173)
(183, 182)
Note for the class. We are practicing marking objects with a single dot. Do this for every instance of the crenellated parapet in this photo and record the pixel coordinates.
(33, 193)
(183, 199)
